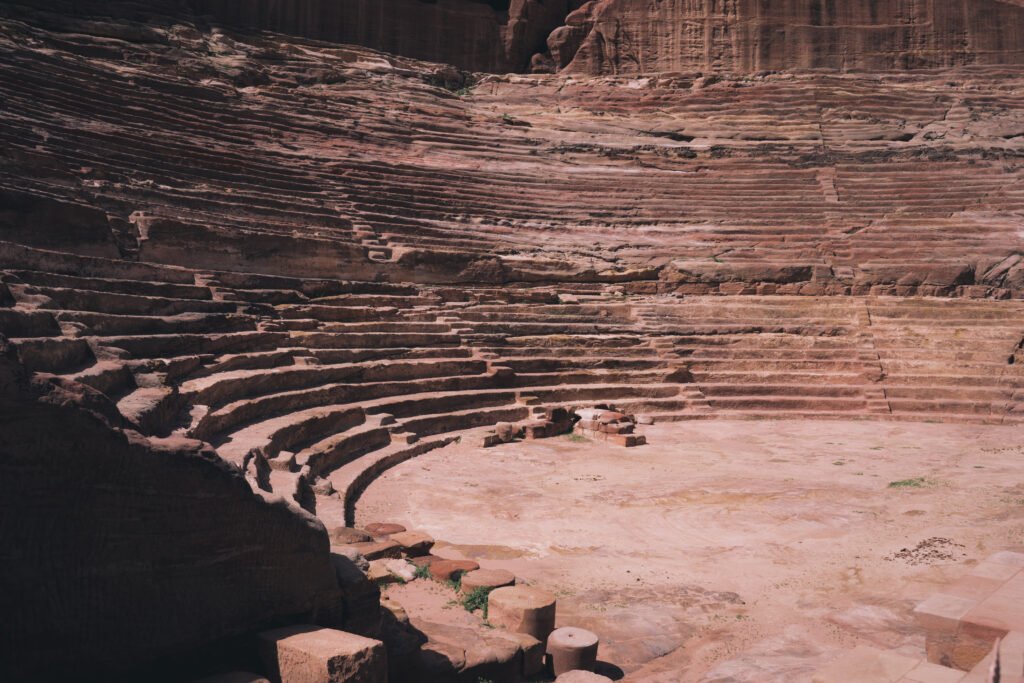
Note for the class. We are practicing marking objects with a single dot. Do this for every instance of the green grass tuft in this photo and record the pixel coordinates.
(476, 600)
(914, 483)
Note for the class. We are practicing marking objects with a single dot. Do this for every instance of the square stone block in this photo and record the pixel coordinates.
(926, 672)
(941, 613)
(1003, 609)
(1008, 557)
(866, 665)
(309, 654)
(973, 587)
(998, 571)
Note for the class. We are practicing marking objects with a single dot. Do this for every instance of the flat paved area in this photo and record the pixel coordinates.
(727, 550)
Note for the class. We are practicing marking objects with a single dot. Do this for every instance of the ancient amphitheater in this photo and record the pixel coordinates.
(324, 321)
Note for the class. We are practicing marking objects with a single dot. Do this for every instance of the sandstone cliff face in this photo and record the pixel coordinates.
(626, 36)
(464, 33)
(118, 550)
(482, 35)
(742, 36)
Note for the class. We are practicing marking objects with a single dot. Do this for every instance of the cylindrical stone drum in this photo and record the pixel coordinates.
(572, 649)
(522, 609)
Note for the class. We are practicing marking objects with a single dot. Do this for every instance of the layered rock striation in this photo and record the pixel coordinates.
(285, 157)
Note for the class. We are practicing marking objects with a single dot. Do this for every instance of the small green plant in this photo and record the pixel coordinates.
(914, 483)
(576, 438)
(507, 118)
(455, 583)
(463, 92)
(476, 600)
(422, 572)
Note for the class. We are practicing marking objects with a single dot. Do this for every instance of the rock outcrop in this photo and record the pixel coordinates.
(119, 550)
(642, 36)
(614, 36)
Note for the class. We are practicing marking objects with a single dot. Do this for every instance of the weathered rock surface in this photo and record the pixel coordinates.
(640, 36)
(119, 550)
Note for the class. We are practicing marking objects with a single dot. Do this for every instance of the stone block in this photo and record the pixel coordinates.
(572, 649)
(627, 440)
(524, 610)
(1008, 557)
(380, 530)
(344, 535)
(487, 578)
(1002, 609)
(973, 587)
(448, 570)
(582, 677)
(413, 543)
(309, 654)
(379, 573)
(926, 672)
(941, 613)
(994, 570)
(865, 664)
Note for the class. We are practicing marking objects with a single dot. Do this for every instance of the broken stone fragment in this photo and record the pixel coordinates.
(380, 574)
(506, 431)
(402, 570)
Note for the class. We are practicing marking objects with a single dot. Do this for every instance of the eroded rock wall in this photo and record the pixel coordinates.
(118, 550)
(742, 36)
(465, 33)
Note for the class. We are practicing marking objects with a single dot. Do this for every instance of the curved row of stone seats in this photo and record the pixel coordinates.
(295, 380)
(910, 163)
(291, 412)
(910, 358)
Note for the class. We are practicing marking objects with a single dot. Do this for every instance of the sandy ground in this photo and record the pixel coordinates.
(727, 550)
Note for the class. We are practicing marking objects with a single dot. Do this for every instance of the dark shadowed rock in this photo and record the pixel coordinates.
(118, 550)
